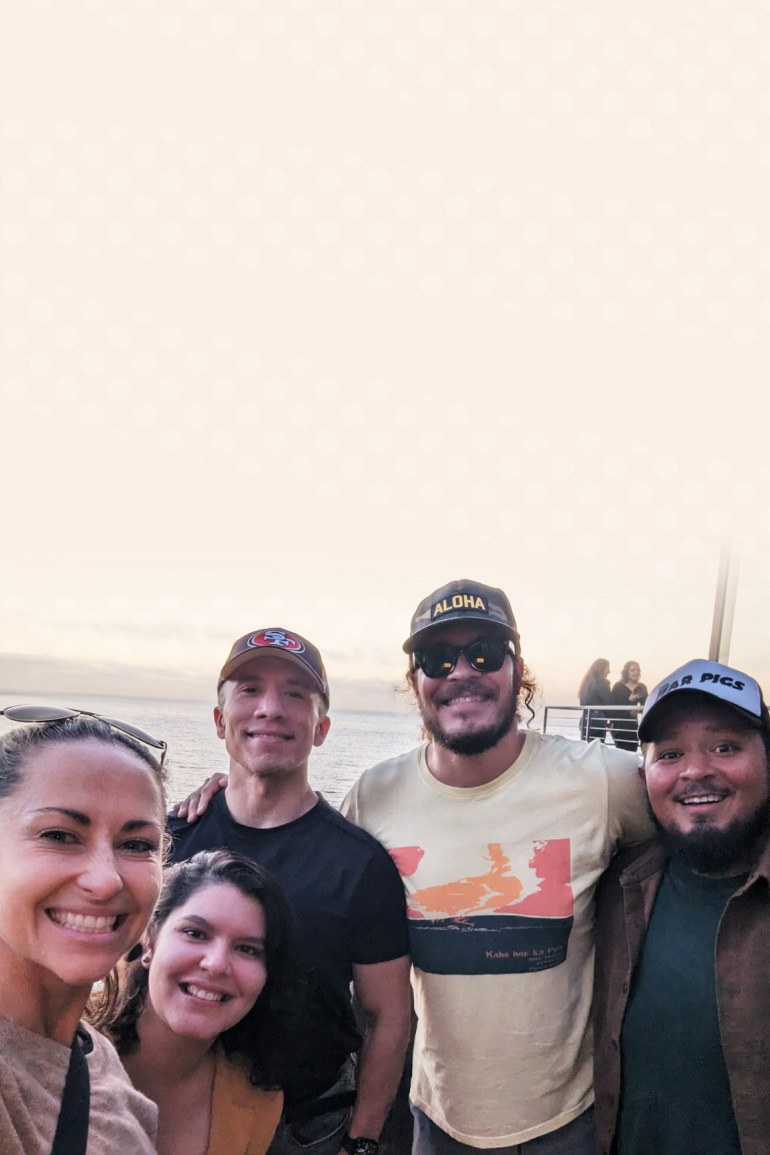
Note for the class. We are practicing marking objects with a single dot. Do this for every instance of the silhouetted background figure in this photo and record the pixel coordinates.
(629, 691)
(595, 691)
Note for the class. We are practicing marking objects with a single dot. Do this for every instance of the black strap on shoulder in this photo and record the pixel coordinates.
(71, 1135)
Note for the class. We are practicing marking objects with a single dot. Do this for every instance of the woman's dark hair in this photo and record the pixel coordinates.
(262, 1036)
(19, 746)
(626, 668)
(596, 672)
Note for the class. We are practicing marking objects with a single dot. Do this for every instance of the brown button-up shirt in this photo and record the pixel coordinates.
(624, 901)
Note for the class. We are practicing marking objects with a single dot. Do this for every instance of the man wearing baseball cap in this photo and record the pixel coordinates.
(683, 931)
(348, 901)
(500, 834)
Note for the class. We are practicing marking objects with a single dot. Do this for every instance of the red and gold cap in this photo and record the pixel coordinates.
(277, 642)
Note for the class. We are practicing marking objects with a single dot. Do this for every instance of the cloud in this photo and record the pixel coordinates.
(39, 675)
(42, 675)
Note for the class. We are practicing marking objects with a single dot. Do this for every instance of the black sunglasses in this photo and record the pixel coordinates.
(438, 660)
(61, 713)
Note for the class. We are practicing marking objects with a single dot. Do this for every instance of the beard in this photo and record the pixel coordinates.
(476, 741)
(719, 852)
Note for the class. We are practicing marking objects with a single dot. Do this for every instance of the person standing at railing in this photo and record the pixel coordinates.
(595, 691)
(629, 691)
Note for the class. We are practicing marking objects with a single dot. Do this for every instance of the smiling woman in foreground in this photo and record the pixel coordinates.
(202, 1024)
(82, 819)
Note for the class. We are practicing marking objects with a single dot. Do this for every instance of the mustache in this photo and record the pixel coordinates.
(468, 686)
(698, 789)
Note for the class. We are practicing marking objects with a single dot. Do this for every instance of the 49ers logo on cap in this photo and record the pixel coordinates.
(277, 638)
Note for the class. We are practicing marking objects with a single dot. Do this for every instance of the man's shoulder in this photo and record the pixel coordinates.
(176, 825)
(631, 867)
(337, 828)
(322, 821)
(606, 780)
(642, 859)
(348, 847)
(595, 754)
(216, 813)
(398, 765)
(381, 787)
(391, 772)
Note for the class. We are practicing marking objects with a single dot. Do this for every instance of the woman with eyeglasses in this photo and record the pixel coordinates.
(201, 1024)
(82, 816)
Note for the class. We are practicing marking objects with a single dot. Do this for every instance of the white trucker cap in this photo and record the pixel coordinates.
(731, 686)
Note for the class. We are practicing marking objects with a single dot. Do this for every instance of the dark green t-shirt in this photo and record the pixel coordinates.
(675, 1096)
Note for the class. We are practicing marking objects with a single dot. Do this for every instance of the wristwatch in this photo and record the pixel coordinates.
(360, 1145)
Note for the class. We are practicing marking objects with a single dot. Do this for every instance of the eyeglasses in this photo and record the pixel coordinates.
(438, 660)
(61, 713)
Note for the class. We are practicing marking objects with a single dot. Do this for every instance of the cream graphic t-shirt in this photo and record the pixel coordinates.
(500, 881)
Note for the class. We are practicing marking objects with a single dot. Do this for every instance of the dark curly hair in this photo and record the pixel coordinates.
(626, 668)
(262, 1038)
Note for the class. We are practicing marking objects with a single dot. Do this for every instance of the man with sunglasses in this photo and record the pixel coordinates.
(500, 835)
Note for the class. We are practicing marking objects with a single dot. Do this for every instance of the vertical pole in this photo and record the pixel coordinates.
(724, 604)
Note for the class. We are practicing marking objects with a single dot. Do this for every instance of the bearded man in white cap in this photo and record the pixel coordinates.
(682, 987)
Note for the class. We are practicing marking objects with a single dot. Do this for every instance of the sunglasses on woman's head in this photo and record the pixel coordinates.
(438, 660)
(61, 713)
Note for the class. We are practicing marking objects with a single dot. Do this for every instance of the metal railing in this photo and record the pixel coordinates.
(609, 723)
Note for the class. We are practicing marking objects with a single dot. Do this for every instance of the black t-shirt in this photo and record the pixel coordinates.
(349, 904)
(676, 1094)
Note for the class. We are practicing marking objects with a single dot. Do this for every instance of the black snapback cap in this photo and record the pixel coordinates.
(462, 601)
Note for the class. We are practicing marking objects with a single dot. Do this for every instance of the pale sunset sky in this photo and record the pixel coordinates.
(310, 306)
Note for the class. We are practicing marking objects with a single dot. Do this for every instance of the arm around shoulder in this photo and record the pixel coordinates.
(628, 819)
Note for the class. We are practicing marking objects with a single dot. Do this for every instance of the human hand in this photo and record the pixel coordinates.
(197, 803)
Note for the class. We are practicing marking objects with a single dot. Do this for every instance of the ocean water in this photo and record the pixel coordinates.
(356, 739)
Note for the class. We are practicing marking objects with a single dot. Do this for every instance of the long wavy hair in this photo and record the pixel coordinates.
(262, 1038)
(596, 672)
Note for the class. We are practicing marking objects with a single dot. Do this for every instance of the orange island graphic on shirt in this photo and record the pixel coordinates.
(481, 924)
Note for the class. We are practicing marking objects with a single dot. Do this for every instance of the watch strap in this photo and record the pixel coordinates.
(359, 1145)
